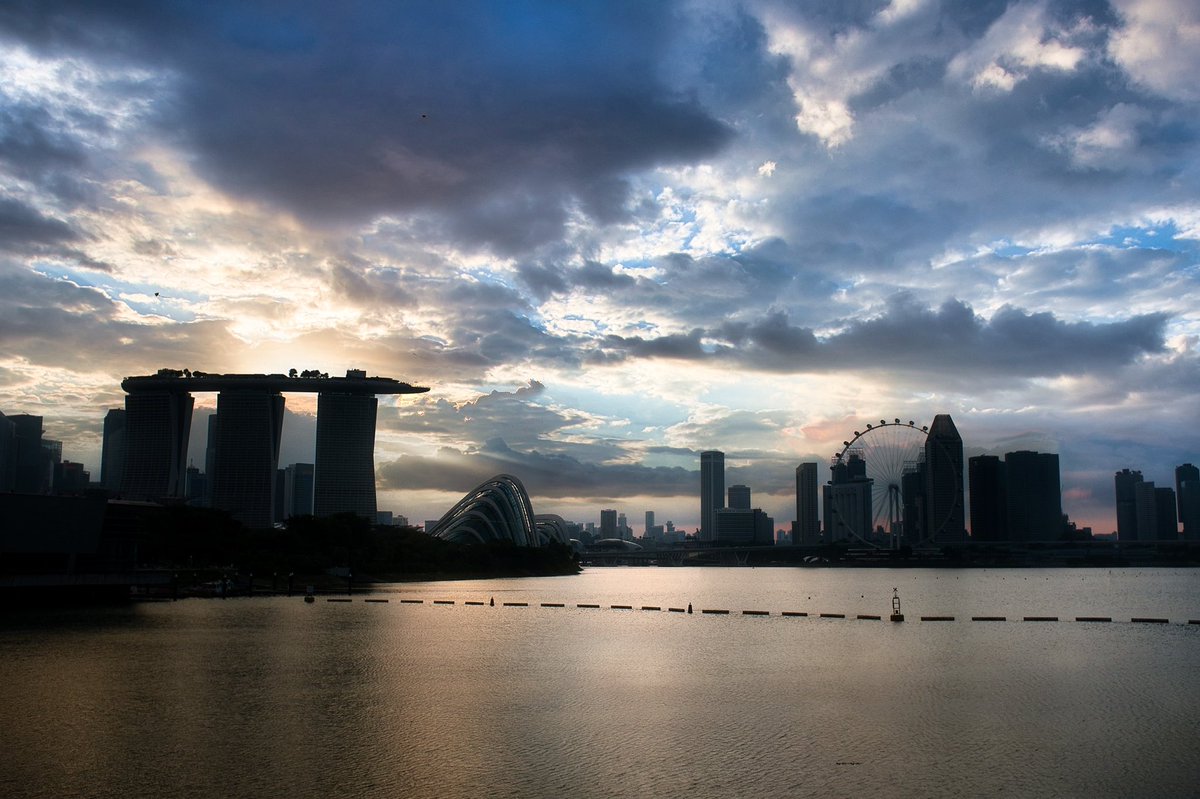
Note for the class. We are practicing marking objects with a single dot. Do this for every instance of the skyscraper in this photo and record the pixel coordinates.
(298, 490)
(1127, 523)
(344, 475)
(744, 527)
(608, 523)
(1145, 501)
(112, 453)
(8, 453)
(712, 491)
(807, 527)
(34, 466)
(649, 526)
(848, 511)
(988, 517)
(739, 497)
(1033, 496)
(248, 432)
(1187, 494)
(1166, 521)
(944, 514)
(157, 426)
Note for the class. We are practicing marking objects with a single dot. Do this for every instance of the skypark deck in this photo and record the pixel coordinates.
(305, 383)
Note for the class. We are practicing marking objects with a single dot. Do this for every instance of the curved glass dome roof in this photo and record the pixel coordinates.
(499, 510)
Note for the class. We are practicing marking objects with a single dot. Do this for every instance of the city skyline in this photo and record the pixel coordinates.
(613, 236)
(1015, 499)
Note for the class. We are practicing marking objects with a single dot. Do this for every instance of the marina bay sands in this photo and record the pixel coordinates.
(244, 437)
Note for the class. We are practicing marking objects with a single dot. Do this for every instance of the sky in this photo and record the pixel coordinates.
(611, 235)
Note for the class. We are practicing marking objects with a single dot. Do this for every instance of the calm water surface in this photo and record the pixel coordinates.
(273, 697)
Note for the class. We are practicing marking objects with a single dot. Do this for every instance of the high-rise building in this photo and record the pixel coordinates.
(70, 478)
(344, 476)
(1187, 494)
(195, 487)
(210, 458)
(744, 527)
(623, 531)
(8, 453)
(988, 513)
(248, 433)
(649, 526)
(1034, 496)
(848, 511)
(277, 513)
(739, 497)
(34, 464)
(112, 452)
(608, 523)
(157, 426)
(912, 497)
(807, 531)
(712, 491)
(944, 513)
(1145, 501)
(1166, 521)
(1127, 522)
(298, 490)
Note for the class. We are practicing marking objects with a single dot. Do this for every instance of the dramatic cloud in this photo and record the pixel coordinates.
(610, 235)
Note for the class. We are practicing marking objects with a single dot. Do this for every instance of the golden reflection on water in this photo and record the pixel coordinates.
(275, 697)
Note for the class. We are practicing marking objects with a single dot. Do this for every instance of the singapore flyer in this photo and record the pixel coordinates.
(887, 461)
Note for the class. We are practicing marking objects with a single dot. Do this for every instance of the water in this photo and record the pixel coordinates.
(270, 696)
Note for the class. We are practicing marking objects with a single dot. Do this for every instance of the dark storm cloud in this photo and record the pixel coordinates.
(368, 285)
(908, 336)
(33, 144)
(493, 114)
(544, 475)
(21, 226)
(513, 415)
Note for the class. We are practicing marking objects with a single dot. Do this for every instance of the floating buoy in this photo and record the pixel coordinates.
(896, 614)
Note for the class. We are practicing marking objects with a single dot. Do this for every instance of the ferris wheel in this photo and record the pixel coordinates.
(877, 460)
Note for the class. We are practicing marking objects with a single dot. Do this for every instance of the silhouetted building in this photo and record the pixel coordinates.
(744, 527)
(648, 527)
(33, 461)
(8, 454)
(344, 476)
(1146, 507)
(298, 490)
(70, 478)
(739, 497)
(712, 491)
(807, 530)
(195, 487)
(848, 512)
(1166, 521)
(499, 510)
(912, 498)
(277, 512)
(1125, 482)
(988, 512)
(1034, 496)
(157, 426)
(210, 458)
(1187, 494)
(112, 452)
(248, 433)
(944, 513)
(608, 523)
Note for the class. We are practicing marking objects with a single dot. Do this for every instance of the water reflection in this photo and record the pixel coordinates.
(275, 697)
